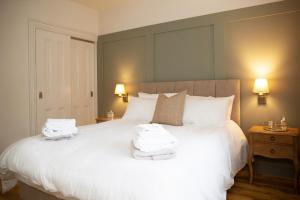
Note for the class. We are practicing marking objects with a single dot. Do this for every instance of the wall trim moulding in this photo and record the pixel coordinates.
(263, 16)
(211, 27)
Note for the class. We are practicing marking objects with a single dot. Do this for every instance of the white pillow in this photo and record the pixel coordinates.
(209, 111)
(140, 109)
(154, 96)
(230, 101)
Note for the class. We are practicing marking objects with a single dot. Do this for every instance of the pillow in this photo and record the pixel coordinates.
(207, 111)
(169, 110)
(230, 101)
(154, 96)
(140, 109)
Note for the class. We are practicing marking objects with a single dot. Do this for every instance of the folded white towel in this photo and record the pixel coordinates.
(60, 124)
(58, 134)
(153, 137)
(55, 129)
(158, 157)
(137, 152)
(154, 157)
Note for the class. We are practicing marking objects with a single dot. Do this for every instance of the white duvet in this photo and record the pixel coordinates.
(97, 163)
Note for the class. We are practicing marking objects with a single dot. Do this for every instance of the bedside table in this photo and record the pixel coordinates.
(275, 145)
(105, 119)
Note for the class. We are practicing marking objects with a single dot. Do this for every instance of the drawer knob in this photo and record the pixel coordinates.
(272, 151)
(272, 138)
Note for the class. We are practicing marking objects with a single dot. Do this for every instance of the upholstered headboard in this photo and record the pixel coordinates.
(215, 88)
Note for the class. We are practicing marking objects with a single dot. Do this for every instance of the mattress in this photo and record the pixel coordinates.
(97, 163)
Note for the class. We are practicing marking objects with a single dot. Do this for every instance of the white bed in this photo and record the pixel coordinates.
(97, 164)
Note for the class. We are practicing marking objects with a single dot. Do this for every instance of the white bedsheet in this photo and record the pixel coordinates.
(97, 164)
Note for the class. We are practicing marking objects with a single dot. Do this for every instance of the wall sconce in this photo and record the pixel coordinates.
(261, 88)
(121, 92)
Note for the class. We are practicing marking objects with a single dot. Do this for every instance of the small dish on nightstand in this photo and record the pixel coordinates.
(276, 129)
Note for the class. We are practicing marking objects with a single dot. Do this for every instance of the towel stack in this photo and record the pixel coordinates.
(153, 142)
(55, 129)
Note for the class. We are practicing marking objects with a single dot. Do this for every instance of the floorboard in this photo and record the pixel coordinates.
(240, 191)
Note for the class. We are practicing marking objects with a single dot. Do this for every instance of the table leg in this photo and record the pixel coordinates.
(250, 165)
(296, 164)
(250, 160)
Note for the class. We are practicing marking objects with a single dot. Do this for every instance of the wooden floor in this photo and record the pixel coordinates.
(11, 195)
(240, 191)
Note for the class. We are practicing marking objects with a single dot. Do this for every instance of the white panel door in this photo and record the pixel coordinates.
(53, 76)
(82, 81)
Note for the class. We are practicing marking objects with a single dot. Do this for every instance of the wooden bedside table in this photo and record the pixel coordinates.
(276, 145)
(105, 119)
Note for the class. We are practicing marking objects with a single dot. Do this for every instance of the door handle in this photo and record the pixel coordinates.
(40, 95)
(92, 93)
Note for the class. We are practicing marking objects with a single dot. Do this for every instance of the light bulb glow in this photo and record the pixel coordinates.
(261, 86)
(120, 89)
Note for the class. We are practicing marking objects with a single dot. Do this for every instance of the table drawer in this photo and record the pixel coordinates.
(278, 139)
(273, 150)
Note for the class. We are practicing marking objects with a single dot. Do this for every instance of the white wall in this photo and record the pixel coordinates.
(14, 80)
(138, 13)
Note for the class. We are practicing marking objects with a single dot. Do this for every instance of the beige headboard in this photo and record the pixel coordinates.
(215, 88)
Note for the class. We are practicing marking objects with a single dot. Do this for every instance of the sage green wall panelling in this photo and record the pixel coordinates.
(261, 41)
(122, 65)
(183, 51)
(267, 46)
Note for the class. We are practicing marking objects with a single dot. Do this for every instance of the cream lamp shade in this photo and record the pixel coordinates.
(261, 86)
(120, 89)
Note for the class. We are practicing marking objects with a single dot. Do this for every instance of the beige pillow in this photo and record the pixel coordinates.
(169, 110)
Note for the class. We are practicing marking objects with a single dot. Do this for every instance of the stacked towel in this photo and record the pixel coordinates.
(153, 142)
(55, 129)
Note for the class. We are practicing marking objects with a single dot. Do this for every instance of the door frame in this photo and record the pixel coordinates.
(33, 26)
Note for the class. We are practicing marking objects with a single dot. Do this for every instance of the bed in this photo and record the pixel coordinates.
(97, 163)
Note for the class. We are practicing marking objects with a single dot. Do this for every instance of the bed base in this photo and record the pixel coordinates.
(31, 193)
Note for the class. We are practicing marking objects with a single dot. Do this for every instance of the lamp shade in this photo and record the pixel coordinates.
(261, 86)
(120, 89)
